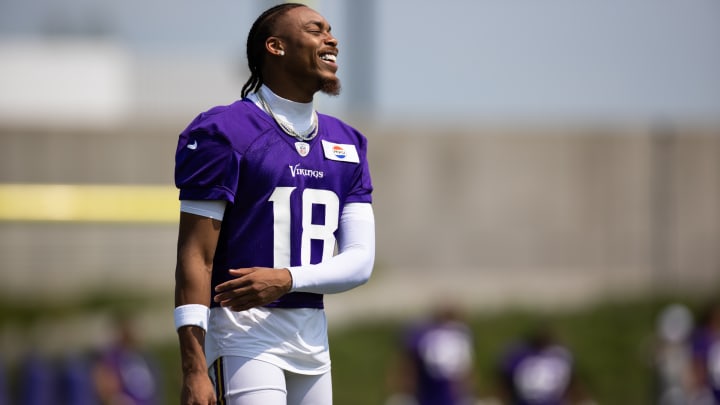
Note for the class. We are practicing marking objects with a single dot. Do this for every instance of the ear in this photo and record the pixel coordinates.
(274, 46)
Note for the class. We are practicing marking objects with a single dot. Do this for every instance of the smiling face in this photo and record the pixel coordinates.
(305, 52)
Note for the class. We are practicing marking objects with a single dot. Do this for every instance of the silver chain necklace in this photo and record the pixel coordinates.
(300, 136)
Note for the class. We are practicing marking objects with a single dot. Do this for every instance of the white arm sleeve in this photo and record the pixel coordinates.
(214, 209)
(352, 265)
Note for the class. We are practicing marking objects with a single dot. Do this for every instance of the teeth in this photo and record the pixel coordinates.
(328, 57)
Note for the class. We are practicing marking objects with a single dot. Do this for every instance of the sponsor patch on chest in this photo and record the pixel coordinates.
(340, 152)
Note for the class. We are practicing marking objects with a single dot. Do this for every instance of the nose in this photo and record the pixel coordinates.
(331, 40)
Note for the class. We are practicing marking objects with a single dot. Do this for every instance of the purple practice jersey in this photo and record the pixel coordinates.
(137, 378)
(442, 354)
(538, 375)
(705, 345)
(284, 197)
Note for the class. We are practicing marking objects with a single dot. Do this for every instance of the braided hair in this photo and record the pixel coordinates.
(260, 31)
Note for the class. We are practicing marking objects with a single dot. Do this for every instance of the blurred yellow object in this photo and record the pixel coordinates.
(89, 203)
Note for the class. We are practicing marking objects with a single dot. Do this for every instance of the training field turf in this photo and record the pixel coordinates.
(611, 343)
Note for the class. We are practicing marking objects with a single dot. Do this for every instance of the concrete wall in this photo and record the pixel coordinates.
(552, 215)
(496, 215)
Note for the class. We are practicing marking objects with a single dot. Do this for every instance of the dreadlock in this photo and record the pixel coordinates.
(260, 31)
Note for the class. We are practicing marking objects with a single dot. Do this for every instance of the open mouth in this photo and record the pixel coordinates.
(328, 57)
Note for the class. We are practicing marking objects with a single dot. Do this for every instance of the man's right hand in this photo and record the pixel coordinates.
(197, 389)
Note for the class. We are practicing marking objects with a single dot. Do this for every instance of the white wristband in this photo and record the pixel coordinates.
(191, 314)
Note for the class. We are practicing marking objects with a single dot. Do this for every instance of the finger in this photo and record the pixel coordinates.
(241, 294)
(232, 303)
(238, 280)
(240, 272)
(239, 299)
(228, 286)
(232, 294)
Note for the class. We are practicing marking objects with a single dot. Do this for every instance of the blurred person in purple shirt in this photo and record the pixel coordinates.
(539, 370)
(705, 353)
(4, 386)
(38, 381)
(124, 373)
(436, 363)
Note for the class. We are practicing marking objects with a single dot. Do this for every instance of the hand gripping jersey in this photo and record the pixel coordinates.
(284, 197)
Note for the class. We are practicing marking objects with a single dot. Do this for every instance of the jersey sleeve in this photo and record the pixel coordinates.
(206, 164)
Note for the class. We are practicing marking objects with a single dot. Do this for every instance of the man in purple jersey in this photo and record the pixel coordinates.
(269, 190)
(705, 351)
(436, 362)
(538, 370)
(124, 373)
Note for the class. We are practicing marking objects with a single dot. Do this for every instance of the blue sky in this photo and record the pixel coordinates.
(553, 58)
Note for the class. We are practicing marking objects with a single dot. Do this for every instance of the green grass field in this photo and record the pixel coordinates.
(611, 342)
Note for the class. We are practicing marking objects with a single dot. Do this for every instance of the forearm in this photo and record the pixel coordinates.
(353, 264)
(197, 239)
(192, 349)
(191, 288)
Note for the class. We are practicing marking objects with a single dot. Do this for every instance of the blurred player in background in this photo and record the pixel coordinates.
(705, 349)
(538, 370)
(124, 374)
(672, 355)
(436, 363)
(4, 387)
(37, 383)
(267, 188)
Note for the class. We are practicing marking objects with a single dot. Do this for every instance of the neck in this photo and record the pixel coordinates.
(292, 110)
(290, 91)
(300, 117)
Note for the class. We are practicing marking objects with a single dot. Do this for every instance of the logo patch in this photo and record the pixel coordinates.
(340, 152)
(299, 171)
(192, 146)
(302, 148)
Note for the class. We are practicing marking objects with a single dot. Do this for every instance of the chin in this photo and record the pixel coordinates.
(330, 86)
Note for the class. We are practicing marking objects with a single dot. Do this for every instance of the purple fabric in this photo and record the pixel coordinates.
(442, 355)
(38, 382)
(135, 373)
(239, 154)
(537, 375)
(705, 346)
